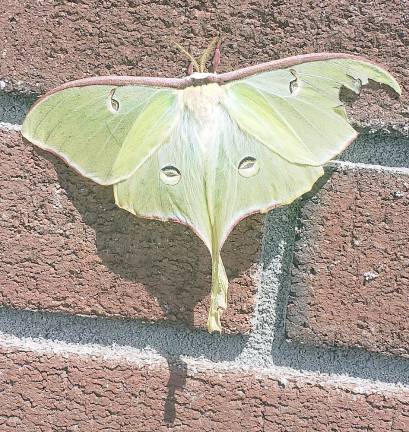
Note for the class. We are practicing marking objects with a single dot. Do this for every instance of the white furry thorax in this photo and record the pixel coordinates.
(202, 100)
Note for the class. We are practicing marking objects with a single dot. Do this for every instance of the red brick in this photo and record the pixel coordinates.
(350, 284)
(65, 246)
(49, 392)
(47, 43)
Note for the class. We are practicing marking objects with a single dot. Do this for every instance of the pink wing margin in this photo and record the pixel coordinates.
(224, 78)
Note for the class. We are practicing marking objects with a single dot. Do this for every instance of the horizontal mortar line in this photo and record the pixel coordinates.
(153, 343)
(358, 165)
(335, 162)
(149, 358)
(10, 126)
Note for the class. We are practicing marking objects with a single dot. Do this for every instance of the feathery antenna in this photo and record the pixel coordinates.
(189, 56)
(204, 58)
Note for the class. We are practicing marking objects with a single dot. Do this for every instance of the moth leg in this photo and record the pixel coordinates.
(216, 57)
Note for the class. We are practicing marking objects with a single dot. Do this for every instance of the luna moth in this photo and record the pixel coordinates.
(209, 149)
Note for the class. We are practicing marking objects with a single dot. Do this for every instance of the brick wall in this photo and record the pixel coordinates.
(102, 314)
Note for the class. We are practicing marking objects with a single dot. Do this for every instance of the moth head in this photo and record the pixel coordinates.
(200, 78)
(198, 66)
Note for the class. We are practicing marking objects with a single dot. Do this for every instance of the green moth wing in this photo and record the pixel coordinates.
(212, 188)
(297, 112)
(94, 128)
(206, 150)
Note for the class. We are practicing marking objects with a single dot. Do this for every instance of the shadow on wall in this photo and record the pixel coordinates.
(14, 106)
(168, 260)
(177, 380)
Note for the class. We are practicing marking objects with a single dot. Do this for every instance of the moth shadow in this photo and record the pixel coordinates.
(162, 270)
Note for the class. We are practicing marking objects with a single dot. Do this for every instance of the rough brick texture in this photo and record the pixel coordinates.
(64, 245)
(350, 282)
(47, 392)
(69, 40)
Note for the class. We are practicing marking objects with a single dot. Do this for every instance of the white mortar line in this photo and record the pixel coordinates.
(10, 126)
(147, 358)
(84, 350)
(357, 165)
